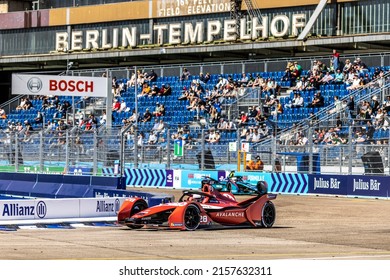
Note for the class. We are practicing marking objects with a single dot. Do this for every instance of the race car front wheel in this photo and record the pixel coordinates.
(137, 207)
(191, 217)
(268, 215)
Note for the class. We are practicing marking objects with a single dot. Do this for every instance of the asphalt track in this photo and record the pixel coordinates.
(307, 227)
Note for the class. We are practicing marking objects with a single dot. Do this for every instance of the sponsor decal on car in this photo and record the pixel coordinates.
(230, 214)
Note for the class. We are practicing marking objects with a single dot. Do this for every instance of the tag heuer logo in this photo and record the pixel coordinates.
(34, 85)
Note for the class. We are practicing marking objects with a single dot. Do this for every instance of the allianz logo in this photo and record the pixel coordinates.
(104, 206)
(16, 210)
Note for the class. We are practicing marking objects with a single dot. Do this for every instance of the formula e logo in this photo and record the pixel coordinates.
(34, 85)
(41, 209)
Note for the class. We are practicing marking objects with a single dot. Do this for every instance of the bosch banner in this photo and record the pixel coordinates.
(59, 85)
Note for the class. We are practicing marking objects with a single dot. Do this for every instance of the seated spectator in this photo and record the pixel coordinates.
(339, 77)
(151, 76)
(165, 90)
(327, 78)
(116, 105)
(204, 78)
(147, 116)
(123, 107)
(356, 83)
(3, 115)
(297, 102)
(152, 138)
(146, 90)
(318, 101)
(338, 106)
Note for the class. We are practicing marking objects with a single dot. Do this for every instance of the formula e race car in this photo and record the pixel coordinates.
(205, 208)
(234, 184)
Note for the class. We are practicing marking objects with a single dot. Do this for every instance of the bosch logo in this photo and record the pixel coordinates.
(34, 85)
(41, 209)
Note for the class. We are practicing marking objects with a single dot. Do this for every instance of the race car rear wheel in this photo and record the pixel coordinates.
(191, 217)
(268, 215)
(137, 207)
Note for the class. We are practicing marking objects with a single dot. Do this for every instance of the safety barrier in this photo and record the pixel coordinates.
(290, 183)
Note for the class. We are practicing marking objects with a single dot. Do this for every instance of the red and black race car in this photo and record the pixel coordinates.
(203, 208)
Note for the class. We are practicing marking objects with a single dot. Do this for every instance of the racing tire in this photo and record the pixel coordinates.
(268, 215)
(191, 217)
(137, 207)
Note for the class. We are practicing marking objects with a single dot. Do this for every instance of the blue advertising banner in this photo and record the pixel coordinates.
(375, 186)
(328, 184)
(192, 179)
(169, 176)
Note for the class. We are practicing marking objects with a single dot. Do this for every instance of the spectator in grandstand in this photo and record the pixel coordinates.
(123, 107)
(359, 65)
(151, 76)
(326, 79)
(140, 78)
(351, 106)
(165, 90)
(134, 117)
(297, 72)
(256, 136)
(287, 72)
(146, 90)
(257, 82)
(140, 139)
(204, 78)
(278, 108)
(301, 84)
(39, 118)
(160, 127)
(356, 83)
(243, 119)
(147, 116)
(3, 115)
(302, 140)
(103, 118)
(154, 90)
(347, 66)
(318, 101)
(222, 82)
(297, 101)
(386, 104)
(152, 140)
(185, 75)
(379, 118)
(335, 59)
(116, 105)
(222, 124)
(256, 164)
(374, 104)
(338, 77)
(159, 111)
(338, 106)
(243, 80)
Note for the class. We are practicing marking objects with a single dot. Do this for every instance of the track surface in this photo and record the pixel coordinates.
(307, 227)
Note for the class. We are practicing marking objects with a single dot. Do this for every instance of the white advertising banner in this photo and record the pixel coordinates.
(100, 207)
(59, 85)
(41, 209)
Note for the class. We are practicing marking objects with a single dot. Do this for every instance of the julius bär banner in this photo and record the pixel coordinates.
(59, 85)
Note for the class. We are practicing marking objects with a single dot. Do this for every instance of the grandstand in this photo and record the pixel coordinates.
(120, 42)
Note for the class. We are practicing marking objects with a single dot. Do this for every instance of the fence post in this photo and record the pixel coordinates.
(202, 153)
(67, 150)
(135, 147)
(95, 145)
(310, 140)
(350, 150)
(41, 146)
(16, 153)
(168, 151)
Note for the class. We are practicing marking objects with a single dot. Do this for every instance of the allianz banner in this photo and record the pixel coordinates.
(59, 85)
